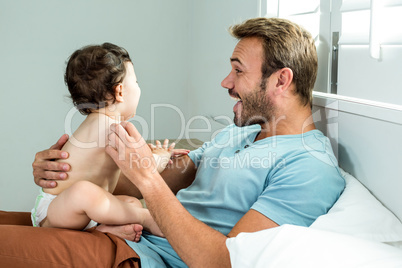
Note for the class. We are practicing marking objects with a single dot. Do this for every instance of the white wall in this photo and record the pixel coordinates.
(36, 39)
(366, 139)
(211, 48)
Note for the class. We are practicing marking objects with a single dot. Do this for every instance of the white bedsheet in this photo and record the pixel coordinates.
(295, 246)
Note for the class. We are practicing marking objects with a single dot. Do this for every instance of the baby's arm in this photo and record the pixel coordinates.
(163, 153)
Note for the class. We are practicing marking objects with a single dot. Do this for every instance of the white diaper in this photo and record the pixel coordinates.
(39, 212)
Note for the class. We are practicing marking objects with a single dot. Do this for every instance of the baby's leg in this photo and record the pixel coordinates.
(74, 207)
(66, 210)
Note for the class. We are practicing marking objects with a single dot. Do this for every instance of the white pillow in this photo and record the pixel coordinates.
(357, 212)
(289, 246)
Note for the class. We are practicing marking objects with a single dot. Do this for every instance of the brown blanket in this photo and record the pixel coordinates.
(25, 246)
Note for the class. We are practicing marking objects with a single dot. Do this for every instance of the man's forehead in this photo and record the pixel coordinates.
(247, 50)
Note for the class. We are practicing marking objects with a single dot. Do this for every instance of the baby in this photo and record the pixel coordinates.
(103, 86)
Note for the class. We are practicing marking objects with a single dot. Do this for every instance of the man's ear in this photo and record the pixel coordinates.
(284, 79)
(118, 92)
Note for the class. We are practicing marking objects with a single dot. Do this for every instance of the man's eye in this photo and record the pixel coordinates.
(237, 71)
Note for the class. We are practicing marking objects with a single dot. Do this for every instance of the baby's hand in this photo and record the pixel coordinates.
(164, 154)
(164, 151)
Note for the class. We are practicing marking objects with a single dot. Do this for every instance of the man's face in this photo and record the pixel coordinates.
(244, 83)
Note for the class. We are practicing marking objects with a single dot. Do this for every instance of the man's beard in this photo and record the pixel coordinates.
(257, 108)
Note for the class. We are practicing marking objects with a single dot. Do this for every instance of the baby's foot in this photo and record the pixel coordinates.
(130, 232)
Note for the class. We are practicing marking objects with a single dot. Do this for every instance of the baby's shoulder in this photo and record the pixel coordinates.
(92, 133)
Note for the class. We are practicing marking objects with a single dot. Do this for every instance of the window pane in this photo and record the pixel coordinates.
(293, 7)
(362, 77)
(351, 5)
(310, 22)
(355, 27)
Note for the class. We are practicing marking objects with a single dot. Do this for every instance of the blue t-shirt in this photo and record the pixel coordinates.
(291, 179)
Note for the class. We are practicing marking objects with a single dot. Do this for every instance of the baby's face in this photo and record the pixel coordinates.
(131, 91)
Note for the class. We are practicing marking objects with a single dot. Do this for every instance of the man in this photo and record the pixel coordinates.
(272, 168)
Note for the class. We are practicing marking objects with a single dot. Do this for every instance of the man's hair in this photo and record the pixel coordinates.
(92, 74)
(285, 44)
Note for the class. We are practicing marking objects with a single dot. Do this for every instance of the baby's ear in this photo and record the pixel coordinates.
(118, 92)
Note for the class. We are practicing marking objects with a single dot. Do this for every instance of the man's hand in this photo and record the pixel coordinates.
(45, 170)
(130, 152)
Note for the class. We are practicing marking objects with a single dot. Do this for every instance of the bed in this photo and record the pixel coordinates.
(358, 231)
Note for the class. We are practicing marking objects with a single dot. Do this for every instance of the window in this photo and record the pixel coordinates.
(313, 16)
(359, 46)
(370, 50)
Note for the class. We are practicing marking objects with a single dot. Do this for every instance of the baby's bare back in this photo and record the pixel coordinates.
(87, 156)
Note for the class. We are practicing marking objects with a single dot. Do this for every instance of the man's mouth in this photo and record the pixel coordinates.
(233, 95)
(239, 103)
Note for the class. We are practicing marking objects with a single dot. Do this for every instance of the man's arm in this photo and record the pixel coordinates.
(177, 175)
(180, 174)
(252, 221)
(196, 243)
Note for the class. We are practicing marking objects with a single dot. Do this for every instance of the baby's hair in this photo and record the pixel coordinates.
(92, 74)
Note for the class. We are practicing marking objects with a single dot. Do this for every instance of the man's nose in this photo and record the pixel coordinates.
(227, 82)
